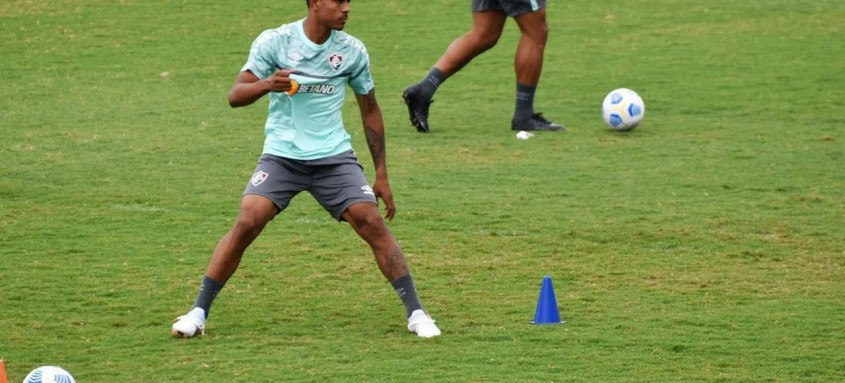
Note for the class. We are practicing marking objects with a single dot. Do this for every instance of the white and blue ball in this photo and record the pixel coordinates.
(623, 109)
(49, 374)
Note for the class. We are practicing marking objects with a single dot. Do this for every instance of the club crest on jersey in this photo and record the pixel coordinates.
(258, 178)
(335, 61)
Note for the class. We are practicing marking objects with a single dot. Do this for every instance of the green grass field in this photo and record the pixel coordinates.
(707, 245)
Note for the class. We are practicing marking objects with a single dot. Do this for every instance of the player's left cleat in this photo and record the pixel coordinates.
(189, 324)
(535, 123)
(417, 108)
(422, 325)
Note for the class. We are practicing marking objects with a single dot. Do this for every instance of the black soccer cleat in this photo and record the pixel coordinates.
(536, 123)
(417, 108)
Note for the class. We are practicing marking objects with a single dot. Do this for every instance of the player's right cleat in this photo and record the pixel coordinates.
(189, 324)
(417, 108)
(535, 123)
(422, 325)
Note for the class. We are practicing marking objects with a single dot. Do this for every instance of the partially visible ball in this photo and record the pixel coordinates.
(49, 374)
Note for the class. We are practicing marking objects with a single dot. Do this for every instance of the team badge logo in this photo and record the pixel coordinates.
(366, 189)
(258, 178)
(335, 61)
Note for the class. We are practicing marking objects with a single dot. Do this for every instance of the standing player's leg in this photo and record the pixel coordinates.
(255, 212)
(486, 30)
(487, 26)
(528, 64)
(368, 223)
(365, 219)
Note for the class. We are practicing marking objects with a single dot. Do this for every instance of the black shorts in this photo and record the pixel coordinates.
(336, 182)
(512, 8)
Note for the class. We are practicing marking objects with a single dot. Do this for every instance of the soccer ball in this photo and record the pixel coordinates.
(623, 109)
(49, 374)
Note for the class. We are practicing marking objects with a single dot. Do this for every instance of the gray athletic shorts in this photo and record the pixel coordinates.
(336, 182)
(512, 8)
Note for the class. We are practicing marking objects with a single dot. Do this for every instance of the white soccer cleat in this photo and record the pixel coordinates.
(189, 324)
(422, 325)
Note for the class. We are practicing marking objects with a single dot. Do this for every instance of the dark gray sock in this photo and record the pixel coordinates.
(431, 81)
(208, 291)
(524, 102)
(404, 286)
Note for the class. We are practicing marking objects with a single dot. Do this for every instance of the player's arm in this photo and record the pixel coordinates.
(248, 88)
(374, 132)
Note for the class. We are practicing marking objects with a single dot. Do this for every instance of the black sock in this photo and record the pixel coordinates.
(431, 81)
(524, 102)
(404, 286)
(208, 291)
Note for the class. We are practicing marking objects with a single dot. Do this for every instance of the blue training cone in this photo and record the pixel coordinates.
(547, 311)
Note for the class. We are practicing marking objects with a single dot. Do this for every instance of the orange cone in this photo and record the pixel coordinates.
(3, 372)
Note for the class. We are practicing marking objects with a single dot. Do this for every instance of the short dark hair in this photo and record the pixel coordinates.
(308, 3)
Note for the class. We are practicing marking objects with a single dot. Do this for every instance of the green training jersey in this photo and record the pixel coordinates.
(309, 125)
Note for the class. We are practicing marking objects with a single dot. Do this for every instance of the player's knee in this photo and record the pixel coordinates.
(487, 41)
(533, 27)
(542, 34)
(372, 222)
(481, 39)
(367, 220)
(249, 224)
(537, 34)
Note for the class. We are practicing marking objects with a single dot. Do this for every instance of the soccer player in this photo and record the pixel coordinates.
(304, 67)
(488, 21)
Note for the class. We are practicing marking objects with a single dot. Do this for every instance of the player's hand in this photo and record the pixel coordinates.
(280, 81)
(383, 192)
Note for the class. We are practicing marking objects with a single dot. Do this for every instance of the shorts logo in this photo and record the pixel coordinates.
(258, 178)
(367, 190)
(335, 60)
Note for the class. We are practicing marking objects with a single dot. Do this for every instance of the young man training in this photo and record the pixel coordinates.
(305, 67)
(488, 21)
